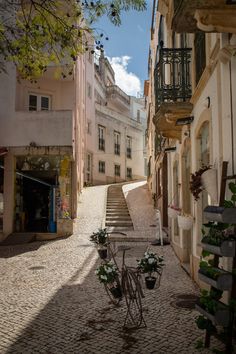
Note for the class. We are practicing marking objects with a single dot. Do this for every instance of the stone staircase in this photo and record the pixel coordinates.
(117, 212)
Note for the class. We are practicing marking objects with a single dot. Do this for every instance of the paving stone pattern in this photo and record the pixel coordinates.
(52, 303)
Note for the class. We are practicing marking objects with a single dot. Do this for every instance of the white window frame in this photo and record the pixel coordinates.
(38, 104)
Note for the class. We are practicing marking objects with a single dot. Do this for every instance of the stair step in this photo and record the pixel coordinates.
(119, 223)
(118, 217)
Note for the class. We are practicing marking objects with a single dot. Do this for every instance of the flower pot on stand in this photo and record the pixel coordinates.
(150, 282)
(102, 253)
(185, 222)
(173, 213)
(116, 292)
(209, 183)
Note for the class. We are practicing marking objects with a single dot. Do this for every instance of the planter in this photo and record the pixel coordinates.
(116, 292)
(150, 282)
(185, 222)
(173, 213)
(223, 282)
(209, 183)
(220, 214)
(226, 249)
(102, 253)
(221, 317)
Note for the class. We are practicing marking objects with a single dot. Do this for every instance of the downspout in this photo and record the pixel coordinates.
(231, 113)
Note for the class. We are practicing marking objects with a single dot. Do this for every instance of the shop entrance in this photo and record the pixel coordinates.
(35, 202)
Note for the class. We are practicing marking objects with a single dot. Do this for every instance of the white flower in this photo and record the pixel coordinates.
(104, 277)
(151, 260)
(109, 270)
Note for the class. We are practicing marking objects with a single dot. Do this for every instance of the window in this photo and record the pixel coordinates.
(129, 172)
(89, 90)
(101, 166)
(88, 167)
(138, 115)
(117, 143)
(89, 127)
(200, 54)
(39, 102)
(128, 147)
(101, 140)
(117, 170)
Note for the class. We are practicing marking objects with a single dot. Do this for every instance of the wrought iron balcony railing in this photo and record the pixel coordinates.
(172, 76)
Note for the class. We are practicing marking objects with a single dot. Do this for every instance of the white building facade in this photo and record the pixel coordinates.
(191, 122)
(116, 140)
(42, 139)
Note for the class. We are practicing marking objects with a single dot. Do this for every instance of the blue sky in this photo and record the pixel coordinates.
(127, 48)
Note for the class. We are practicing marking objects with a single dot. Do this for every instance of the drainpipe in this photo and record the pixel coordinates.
(231, 110)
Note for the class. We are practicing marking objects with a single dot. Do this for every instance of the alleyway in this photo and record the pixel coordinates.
(52, 303)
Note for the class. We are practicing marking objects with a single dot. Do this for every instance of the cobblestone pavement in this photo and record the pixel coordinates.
(52, 303)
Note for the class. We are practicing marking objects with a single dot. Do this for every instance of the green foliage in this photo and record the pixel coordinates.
(36, 33)
(217, 233)
(199, 344)
(207, 269)
(150, 263)
(203, 323)
(107, 273)
(231, 203)
(100, 237)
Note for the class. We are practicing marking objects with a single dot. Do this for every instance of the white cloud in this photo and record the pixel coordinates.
(127, 81)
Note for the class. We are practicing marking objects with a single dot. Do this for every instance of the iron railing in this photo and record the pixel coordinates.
(172, 76)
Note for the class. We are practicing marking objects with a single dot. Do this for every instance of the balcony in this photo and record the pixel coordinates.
(207, 15)
(44, 128)
(172, 90)
(117, 97)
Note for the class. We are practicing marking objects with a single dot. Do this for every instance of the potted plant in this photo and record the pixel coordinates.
(211, 308)
(204, 179)
(226, 213)
(173, 211)
(219, 239)
(216, 277)
(185, 221)
(100, 238)
(108, 275)
(149, 264)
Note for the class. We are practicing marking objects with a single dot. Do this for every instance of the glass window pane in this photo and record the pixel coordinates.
(44, 103)
(32, 103)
